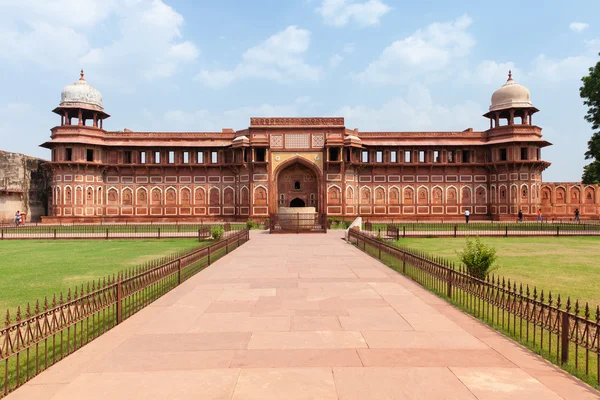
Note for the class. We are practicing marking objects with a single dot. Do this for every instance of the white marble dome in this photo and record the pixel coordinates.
(511, 95)
(81, 95)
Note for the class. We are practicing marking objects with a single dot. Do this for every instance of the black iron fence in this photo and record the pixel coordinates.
(439, 229)
(113, 231)
(565, 332)
(37, 337)
(298, 223)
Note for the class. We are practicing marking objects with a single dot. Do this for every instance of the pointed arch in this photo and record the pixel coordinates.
(481, 194)
(79, 195)
(126, 196)
(199, 196)
(408, 193)
(245, 195)
(156, 196)
(260, 195)
(394, 195)
(349, 195)
(575, 195)
(112, 196)
(379, 195)
(466, 195)
(452, 195)
(228, 196)
(437, 195)
(185, 196)
(334, 195)
(423, 195)
(141, 195)
(214, 196)
(365, 195)
(89, 195)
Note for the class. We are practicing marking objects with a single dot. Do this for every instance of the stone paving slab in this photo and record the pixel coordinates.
(302, 317)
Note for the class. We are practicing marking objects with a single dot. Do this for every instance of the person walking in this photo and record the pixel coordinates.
(577, 215)
(17, 218)
(520, 216)
(467, 214)
(539, 217)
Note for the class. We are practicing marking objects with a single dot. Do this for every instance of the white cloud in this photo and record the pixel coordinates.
(578, 26)
(280, 58)
(341, 12)
(348, 48)
(335, 60)
(417, 111)
(431, 49)
(58, 35)
(495, 73)
(562, 69)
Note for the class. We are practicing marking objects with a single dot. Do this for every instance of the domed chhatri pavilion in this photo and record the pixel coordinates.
(305, 162)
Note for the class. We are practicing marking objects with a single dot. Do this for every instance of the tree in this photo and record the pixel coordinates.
(590, 93)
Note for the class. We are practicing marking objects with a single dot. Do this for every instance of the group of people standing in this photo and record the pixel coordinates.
(540, 217)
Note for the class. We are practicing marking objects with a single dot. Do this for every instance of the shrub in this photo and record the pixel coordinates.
(251, 224)
(478, 258)
(267, 223)
(217, 232)
(347, 224)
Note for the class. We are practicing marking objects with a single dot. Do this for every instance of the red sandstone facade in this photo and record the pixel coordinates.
(236, 175)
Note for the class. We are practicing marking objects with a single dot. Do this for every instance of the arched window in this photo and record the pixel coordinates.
(296, 185)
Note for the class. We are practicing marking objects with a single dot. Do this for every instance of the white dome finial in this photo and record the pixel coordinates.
(81, 95)
(511, 95)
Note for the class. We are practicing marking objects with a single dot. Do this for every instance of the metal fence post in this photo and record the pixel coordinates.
(227, 246)
(54, 233)
(505, 230)
(2, 234)
(119, 305)
(455, 228)
(449, 292)
(209, 255)
(404, 263)
(179, 271)
(159, 232)
(558, 231)
(106, 233)
(564, 336)
(199, 237)
(379, 248)
(404, 231)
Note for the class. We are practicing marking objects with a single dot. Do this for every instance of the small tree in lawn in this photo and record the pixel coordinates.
(478, 258)
(217, 232)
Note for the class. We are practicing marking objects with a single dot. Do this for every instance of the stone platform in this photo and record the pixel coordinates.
(302, 317)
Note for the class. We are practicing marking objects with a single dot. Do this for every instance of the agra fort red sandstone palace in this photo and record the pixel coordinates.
(318, 162)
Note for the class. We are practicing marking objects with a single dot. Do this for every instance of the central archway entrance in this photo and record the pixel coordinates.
(298, 186)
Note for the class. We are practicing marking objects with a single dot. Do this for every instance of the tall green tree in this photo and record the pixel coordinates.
(590, 93)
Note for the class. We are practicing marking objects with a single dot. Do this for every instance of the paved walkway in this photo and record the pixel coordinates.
(302, 317)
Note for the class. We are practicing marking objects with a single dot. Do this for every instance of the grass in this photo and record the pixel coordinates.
(32, 269)
(565, 265)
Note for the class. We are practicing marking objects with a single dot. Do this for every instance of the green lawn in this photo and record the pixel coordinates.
(32, 269)
(565, 265)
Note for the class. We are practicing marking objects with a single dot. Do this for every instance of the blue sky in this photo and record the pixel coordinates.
(391, 65)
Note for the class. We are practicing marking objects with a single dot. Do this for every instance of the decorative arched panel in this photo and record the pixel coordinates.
(100, 199)
(524, 194)
(480, 195)
(199, 196)
(423, 195)
(127, 196)
(79, 195)
(409, 195)
(228, 196)
(437, 195)
(112, 196)
(68, 195)
(365, 195)
(214, 196)
(171, 196)
(349, 195)
(561, 195)
(452, 196)
(590, 196)
(466, 195)
(394, 196)
(186, 197)
(142, 196)
(334, 195)
(502, 192)
(546, 196)
(245, 196)
(89, 195)
(575, 195)
(260, 196)
(379, 195)
(156, 198)
(493, 198)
